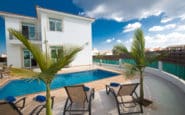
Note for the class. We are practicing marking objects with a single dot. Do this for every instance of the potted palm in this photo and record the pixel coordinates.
(141, 60)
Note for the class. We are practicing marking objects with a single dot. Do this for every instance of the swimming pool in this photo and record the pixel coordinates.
(26, 86)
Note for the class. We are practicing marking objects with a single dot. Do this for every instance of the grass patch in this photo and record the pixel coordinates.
(23, 73)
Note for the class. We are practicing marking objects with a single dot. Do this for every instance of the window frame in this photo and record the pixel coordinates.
(56, 49)
(29, 25)
(55, 21)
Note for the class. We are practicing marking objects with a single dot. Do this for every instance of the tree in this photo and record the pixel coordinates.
(117, 50)
(47, 66)
(100, 56)
(140, 57)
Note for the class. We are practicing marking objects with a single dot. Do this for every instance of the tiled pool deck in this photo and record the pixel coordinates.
(168, 98)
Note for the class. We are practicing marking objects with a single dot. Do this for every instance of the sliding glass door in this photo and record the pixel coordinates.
(29, 61)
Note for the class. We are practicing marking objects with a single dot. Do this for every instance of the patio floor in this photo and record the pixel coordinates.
(167, 99)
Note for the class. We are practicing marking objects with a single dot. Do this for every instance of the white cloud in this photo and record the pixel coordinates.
(156, 28)
(110, 40)
(113, 40)
(132, 27)
(81, 13)
(180, 28)
(118, 41)
(162, 28)
(165, 20)
(99, 9)
(182, 17)
(170, 26)
(161, 40)
(128, 43)
(121, 10)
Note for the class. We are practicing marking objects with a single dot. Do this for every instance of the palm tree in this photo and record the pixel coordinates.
(47, 66)
(140, 57)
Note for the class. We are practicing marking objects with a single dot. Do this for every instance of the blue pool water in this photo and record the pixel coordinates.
(23, 87)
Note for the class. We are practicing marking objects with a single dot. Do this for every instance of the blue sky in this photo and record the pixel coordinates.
(163, 22)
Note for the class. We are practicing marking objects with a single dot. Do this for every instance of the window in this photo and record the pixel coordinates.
(28, 30)
(56, 51)
(55, 24)
(53, 53)
(11, 36)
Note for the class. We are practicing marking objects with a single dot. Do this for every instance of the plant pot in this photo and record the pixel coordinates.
(145, 102)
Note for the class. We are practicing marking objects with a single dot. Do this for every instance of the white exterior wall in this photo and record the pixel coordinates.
(14, 52)
(74, 32)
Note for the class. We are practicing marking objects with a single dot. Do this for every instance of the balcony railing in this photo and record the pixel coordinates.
(36, 38)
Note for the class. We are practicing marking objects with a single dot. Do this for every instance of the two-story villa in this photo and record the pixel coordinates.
(50, 27)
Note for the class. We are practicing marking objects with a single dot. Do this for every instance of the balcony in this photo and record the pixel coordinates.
(34, 40)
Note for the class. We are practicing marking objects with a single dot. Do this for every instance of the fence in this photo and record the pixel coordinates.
(106, 61)
(173, 68)
(176, 69)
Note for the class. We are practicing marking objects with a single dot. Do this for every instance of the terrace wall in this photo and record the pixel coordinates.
(173, 63)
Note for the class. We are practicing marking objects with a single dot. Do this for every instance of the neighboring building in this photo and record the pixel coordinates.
(176, 47)
(106, 52)
(154, 49)
(3, 55)
(95, 52)
(101, 52)
(57, 28)
(3, 59)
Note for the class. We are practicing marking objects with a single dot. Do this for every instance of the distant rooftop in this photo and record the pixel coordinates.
(3, 55)
(176, 47)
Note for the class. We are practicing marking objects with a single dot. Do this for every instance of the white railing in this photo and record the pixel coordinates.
(36, 38)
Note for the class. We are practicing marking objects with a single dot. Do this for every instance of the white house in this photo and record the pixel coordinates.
(57, 28)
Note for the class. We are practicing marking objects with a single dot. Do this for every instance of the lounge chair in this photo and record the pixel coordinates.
(5, 71)
(126, 98)
(41, 99)
(1, 73)
(20, 103)
(79, 99)
(9, 109)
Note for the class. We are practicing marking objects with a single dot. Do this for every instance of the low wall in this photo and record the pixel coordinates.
(158, 72)
(111, 66)
(170, 77)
